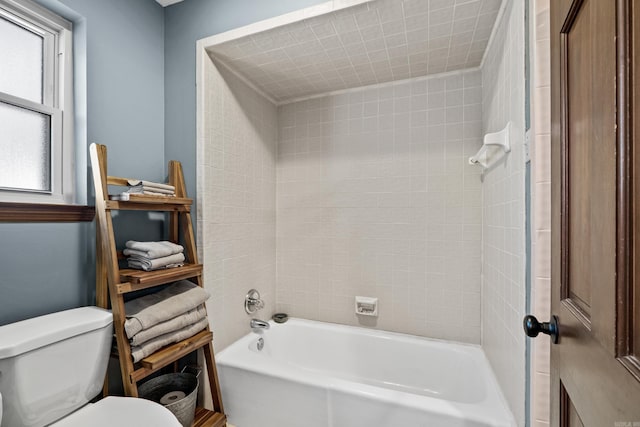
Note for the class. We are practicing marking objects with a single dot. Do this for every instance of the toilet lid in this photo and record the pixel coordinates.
(120, 412)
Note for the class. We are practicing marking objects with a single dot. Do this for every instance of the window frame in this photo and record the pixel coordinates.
(57, 100)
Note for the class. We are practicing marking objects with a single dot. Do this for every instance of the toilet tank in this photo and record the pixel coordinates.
(52, 365)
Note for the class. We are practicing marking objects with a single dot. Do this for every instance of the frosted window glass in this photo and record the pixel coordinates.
(20, 62)
(25, 149)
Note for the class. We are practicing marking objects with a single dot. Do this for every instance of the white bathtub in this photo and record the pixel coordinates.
(313, 374)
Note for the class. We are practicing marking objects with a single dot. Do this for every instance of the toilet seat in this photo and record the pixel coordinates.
(120, 412)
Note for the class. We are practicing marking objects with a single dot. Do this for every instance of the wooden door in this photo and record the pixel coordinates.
(595, 371)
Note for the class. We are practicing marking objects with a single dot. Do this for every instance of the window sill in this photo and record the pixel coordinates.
(36, 212)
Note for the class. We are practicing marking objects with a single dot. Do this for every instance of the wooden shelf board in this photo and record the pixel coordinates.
(129, 206)
(207, 418)
(171, 353)
(135, 280)
(150, 203)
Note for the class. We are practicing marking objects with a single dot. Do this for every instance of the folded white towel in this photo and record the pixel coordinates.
(141, 265)
(140, 352)
(152, 250)
(153, 193)
(140, 189)
(150, 264)
(129, 252)
(138, 182)
(172, 325)
(172, 301)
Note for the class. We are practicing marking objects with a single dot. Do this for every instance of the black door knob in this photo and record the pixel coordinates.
(532, 327)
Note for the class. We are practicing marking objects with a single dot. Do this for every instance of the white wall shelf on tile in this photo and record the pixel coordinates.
(494, 147)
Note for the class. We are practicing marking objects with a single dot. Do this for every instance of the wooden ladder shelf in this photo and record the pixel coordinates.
(113, 283)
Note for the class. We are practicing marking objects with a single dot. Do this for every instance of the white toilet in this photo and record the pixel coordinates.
(52, 366)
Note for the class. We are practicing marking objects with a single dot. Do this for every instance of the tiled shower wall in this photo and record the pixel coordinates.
(236, 201)
(503, 287)
(375, 197)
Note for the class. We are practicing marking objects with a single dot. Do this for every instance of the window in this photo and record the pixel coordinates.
(36, 105)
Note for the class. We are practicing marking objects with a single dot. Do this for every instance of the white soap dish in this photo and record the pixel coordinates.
(367, 306)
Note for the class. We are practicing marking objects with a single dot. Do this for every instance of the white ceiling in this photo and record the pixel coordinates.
(371, 43)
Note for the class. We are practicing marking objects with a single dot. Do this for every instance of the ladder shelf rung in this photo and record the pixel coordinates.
(171, 353)
(139, 202)
(136, 280)
(207, 418)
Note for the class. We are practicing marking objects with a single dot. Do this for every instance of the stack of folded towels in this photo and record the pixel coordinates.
(149, 188)
(153, 255)
(166, 317)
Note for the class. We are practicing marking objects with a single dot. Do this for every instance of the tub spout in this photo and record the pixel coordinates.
(257, 324)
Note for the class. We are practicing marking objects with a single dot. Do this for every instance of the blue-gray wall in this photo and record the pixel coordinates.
(141, 103)
(185, 23)
(50, 267)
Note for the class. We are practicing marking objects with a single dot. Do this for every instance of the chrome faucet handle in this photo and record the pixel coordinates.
(258, 303)
(252, 302)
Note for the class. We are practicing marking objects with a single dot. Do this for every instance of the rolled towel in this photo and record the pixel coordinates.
(149, 264)
(152, 250)
(152, 309)
(150, 184)
(151, 346)
(172, 325)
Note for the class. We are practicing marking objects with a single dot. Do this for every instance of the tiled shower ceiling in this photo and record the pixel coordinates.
(374, 42)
